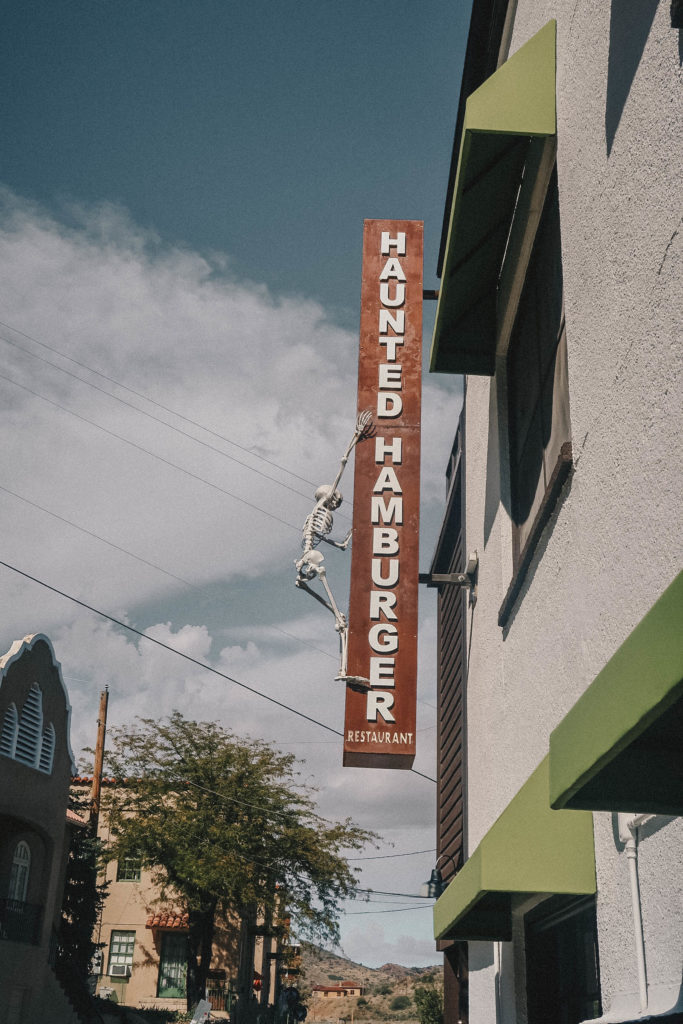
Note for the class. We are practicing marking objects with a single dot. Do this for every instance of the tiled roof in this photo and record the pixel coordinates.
(337, 988)
(87, 780)
(75, 819)
(174, 920)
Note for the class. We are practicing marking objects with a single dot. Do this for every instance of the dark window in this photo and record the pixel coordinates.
(128, 869)
(173, 966)
(538, 395)
(562, 973)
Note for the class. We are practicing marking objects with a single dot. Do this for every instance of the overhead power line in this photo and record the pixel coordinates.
(159, 405)
(96, 536)
(153, 455)
(174, 576)
(387, 856)
(167, 647)
(185, 656)
(156, 419)
(380, 892)
(152, 565)
(367, 893)
(180, 579)
(392, 910)
(243, 803)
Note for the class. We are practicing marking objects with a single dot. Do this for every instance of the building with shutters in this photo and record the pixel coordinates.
(36, 764)
(561, 668)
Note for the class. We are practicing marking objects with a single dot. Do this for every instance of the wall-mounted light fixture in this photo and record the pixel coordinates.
(432, 889)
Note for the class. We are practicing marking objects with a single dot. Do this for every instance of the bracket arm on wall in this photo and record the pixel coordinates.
(466, 580)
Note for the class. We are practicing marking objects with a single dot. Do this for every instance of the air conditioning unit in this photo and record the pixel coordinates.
(119, 971)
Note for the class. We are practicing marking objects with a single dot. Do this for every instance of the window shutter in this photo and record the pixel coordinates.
(30, 730)
(47, 750)
(8, 737)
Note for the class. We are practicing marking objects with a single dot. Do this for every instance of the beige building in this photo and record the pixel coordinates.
(36, 764)
(144, 943)
(343, 990)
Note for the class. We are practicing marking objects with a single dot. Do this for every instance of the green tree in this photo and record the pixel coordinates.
(429, 1002)
(399, 1003)
(226, 826)
(83, 899)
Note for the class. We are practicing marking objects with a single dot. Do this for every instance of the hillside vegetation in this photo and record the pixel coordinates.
(389, 991)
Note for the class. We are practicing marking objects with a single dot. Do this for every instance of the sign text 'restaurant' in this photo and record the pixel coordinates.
(379, 728)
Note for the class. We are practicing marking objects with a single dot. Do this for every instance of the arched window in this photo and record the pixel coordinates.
(21, 866)
(8, 736)
(30, 731)
(47, 750)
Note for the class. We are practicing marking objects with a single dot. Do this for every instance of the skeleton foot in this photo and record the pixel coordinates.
(357, 683)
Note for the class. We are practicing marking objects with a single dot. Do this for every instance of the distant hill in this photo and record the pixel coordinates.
(382, 985)
(322, 967)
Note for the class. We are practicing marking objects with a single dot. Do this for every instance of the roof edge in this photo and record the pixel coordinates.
(16, 651)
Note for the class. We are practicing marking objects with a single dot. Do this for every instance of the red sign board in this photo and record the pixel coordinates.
(379, 728)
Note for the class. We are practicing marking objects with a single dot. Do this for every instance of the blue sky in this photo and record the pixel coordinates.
(182, 192)
(267, 129)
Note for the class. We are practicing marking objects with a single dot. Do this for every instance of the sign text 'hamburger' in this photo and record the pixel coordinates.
(379, 730)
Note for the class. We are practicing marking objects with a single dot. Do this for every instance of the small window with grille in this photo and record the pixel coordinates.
(128, 869)
(121, 949)
(21, 867)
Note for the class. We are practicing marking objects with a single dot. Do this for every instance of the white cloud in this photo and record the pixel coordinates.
(270, 372)
(374, 948)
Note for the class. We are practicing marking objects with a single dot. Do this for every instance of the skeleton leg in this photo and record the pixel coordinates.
(302, 585)
(354, 682)
(340, 619)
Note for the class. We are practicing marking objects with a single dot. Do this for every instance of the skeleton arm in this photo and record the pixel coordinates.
(364, 428)
(341, 544)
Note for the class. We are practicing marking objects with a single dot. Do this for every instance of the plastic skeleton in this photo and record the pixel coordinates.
(317, 528)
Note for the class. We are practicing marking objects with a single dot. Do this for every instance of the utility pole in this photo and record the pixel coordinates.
(243, 1011)
(96, 789)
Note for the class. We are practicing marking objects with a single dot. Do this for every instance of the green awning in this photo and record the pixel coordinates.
(513, 111)
(620, 748)
(529, 850)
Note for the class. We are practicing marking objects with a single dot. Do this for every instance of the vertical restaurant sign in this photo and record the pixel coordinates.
(379, 727)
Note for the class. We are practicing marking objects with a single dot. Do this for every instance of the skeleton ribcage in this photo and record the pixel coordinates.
(318, 524)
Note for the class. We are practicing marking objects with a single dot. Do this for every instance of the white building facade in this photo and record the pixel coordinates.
(561, 302)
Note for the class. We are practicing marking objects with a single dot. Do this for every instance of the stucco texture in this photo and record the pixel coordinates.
(614, 541)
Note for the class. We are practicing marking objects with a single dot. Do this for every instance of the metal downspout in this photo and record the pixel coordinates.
(628, 833)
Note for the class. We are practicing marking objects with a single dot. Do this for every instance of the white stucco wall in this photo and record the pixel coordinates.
(615, 542)
(660, 863)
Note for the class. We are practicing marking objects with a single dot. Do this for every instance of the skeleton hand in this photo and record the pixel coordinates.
(364, 425)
